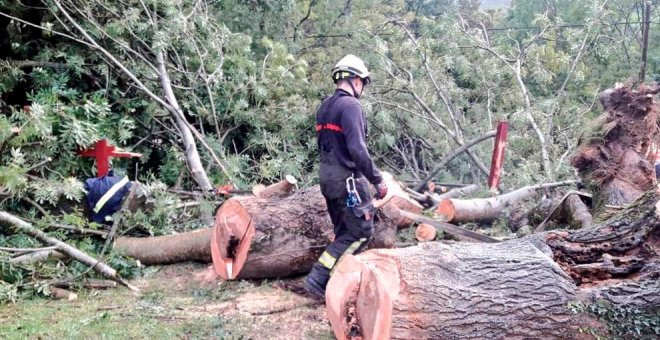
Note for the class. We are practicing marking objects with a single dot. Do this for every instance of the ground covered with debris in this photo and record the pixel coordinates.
(174, 303)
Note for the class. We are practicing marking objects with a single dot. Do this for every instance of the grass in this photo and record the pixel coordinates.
(170, 306)
(112, 314)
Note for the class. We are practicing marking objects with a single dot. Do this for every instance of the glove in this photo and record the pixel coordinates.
(381, 190)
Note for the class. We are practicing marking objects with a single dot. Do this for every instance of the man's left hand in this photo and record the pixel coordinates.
(381, 190)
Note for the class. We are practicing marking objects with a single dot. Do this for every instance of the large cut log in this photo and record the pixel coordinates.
(439, 291)
(190, 246)
(257, 238)
(610, 160)
(514, 289)
(488, 209)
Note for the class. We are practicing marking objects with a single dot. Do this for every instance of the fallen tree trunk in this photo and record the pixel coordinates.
(257, 238)
(576, 212)
(37, 256)
(87, 283)
(190, 246)
(284, 236)
(514, 289)
(487, 209)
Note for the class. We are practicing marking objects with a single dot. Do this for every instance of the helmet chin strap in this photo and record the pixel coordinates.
(355, 94)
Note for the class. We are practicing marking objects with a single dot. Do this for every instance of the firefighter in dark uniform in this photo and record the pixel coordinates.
(345, 171)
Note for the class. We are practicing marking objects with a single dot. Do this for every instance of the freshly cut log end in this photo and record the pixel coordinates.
(398, 200)
(446, 210)
(359, 306)
(231, 239)
(440, 291)
(425, 232)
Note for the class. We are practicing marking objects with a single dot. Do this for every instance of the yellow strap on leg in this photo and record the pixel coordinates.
(354, 246)
(350, 250)
(327, 260)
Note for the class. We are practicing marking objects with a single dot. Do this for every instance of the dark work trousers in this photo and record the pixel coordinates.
(353, 227)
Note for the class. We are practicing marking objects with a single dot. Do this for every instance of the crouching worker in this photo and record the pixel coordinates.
(105, 196)
(345, 171)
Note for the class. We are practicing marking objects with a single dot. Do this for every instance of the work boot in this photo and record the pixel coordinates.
(314, 289)
(316, 281)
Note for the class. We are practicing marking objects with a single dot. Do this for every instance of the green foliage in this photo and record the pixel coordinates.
(623, 322)
(249, 76)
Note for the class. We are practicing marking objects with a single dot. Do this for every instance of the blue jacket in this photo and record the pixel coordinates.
(97, 188)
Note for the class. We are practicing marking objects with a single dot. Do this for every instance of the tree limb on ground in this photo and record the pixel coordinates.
(488, 209)
(70, 251)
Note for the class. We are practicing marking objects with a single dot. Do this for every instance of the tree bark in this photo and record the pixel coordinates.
(513, 289)
(190, 246)
(569, 209)
(487, 209)
(257, 238)
(458, 192)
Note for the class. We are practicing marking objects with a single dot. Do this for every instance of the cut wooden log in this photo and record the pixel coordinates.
(425, 232)
(257, 238)
(458, 192)
(280, 189)
(577, 213)
(62, 294)
(37, 256)
(400, 201)
(514, 289)
(457, 231)
(189, 246)
(487, 209)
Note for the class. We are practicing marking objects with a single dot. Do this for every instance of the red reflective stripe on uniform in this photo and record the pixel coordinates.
(332, 127)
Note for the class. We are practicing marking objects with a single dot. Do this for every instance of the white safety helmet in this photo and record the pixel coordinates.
(350, 66)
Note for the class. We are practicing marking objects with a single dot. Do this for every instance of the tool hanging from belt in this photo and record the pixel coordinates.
(353, 198)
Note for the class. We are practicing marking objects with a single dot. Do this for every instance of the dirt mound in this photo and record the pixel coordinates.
(612, 160)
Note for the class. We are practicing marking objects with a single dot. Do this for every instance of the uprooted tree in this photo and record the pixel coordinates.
(611, 161)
